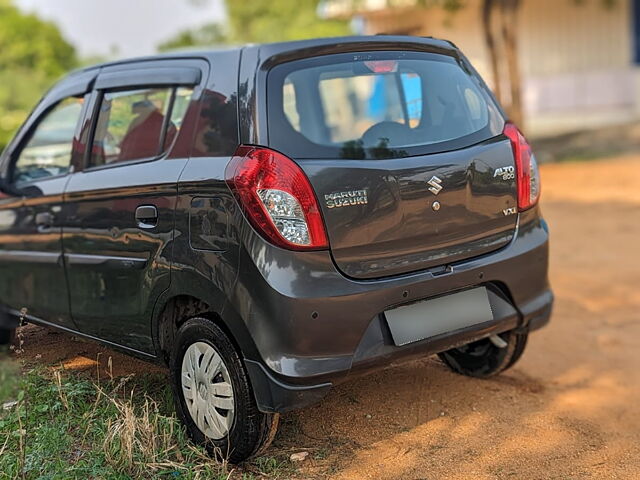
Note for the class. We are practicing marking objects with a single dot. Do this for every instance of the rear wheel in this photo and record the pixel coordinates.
(214, 398)
(485, 357)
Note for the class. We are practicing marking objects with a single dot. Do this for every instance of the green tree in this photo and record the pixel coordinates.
(209, 34)
(33, 54)
(279, 20)
(259, 21)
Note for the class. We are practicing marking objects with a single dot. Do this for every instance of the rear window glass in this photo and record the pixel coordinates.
(377, 105)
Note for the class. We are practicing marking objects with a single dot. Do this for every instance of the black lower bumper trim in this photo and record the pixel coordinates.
(539, 321)
(273, 396)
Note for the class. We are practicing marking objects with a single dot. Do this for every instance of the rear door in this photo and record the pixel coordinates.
(120, 209)
(405, 153)
(38, 165)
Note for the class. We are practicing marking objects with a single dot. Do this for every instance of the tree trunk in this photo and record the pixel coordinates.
(510, 9)
(490, 42)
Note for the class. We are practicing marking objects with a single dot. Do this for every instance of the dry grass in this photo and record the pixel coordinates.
(140, 439)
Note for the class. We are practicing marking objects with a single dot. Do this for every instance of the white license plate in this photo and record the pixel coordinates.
(446, 314)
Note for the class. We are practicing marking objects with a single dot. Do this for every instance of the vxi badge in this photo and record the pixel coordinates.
(345, 199)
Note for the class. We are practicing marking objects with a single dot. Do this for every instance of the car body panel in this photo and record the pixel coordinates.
(33, 276)
(208, 221)
(116, 269)
(396, 228)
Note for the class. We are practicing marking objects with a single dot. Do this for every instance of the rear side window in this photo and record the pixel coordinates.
(137, 124)
(377, 105)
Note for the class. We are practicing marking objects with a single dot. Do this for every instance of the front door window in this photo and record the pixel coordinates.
(48, 151)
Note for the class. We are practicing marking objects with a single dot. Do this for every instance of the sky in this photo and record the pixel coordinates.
(132, 27)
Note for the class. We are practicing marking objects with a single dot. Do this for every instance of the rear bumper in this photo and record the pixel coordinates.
(274, 395)
(312, 327)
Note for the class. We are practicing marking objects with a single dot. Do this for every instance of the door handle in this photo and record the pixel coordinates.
(44, 221)
(147, 216)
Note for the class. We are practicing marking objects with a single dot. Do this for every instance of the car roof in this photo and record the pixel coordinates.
(279, 46)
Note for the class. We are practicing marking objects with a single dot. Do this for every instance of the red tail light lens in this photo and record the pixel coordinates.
(382, 66)
(527, 174)
(277, 198)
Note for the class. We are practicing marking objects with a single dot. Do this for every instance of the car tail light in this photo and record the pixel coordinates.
(277, 198)
(382, 66)
(527, 174)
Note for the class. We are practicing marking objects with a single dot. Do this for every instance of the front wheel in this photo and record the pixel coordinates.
(486, 357)
(214, 398)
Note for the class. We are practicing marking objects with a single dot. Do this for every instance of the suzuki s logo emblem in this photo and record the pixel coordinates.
(436, 186)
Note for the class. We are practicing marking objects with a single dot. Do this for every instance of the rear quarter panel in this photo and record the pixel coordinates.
(208, 223)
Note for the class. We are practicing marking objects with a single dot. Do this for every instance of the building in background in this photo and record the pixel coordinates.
(579, 59)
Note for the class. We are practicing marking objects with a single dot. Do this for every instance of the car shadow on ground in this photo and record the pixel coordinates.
(418, 418)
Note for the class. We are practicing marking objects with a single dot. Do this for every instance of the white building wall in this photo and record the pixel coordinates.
(576, 58)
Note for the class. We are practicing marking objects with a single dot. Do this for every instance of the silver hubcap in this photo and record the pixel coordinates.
(207, 390)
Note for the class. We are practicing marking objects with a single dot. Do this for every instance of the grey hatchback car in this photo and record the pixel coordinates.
(269, 221)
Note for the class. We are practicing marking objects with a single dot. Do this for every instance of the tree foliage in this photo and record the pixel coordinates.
(278, 20)
(33, 54)
(261, 21)
(209, 34)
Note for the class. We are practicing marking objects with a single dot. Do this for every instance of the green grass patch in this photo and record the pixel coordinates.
(65, 426)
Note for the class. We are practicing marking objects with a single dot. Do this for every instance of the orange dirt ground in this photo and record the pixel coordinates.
(569, 409)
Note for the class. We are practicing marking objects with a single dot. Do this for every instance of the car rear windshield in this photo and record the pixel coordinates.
(377, 105)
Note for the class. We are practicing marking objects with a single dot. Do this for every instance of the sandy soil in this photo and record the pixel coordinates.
(569, 409)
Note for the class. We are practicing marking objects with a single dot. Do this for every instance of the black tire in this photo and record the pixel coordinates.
(7, 337)
(482, 359)
(251, 431)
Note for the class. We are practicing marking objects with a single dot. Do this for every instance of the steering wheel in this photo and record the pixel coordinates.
(391, 133)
